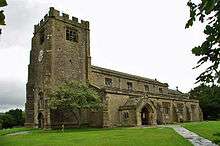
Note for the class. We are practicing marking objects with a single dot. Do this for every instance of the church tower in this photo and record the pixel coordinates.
(60, 52)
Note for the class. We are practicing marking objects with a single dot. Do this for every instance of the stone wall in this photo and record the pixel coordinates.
(114, 101)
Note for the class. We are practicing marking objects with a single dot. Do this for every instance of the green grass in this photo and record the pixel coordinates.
(98, 137)
(209, 130)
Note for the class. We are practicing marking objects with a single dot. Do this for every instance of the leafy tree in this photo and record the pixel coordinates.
(7, 121)
(209, 97)
(12, 118)
(18, 116)
(208, 12)
(75, 96)
(1, 121)
(2, 16)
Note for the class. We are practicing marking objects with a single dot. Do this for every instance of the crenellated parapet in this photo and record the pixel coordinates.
(53, 13)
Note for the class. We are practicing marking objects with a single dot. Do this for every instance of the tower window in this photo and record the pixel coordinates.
(42, 37)
(108, 82)
(130, 87)
(125, 115)
(71, 35)
(41, 100)
(160, 90)
(146, 88)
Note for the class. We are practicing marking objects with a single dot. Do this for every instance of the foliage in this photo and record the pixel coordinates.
(209, 97)
(12, 118)
(208, 12)
(18, 116)
(209, 130)
(74, 96)
(2, 16)
(98, 137)
(7, 121)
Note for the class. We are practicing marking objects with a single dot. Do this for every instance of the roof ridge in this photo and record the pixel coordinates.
(127, 74)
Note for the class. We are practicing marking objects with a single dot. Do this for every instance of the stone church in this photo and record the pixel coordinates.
(61, 52)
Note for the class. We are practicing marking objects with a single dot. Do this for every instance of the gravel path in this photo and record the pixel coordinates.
(195, 139)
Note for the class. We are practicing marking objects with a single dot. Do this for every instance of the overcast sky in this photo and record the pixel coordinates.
(140, 37)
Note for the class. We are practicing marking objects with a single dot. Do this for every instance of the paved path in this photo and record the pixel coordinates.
(19, 133)
(195, 139)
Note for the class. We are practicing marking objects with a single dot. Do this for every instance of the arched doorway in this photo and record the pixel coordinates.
(175, 116)
(146, 112)
(188, 114)
(144, 116)
(40, 120)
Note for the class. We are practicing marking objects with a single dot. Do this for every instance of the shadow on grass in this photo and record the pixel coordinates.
(216, 134)
(217, 138)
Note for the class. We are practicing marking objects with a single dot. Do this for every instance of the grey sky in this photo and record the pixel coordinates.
(145, 38)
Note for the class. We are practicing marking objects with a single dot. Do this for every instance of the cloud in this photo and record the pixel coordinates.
(12, 92)
(15, 44)
(21, 15)
(7, 107)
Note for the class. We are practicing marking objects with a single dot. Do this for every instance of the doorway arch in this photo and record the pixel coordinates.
(146, 112)
(40, 120)
(145, 116)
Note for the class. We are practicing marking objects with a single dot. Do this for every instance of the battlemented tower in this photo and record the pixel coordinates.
(60, 52)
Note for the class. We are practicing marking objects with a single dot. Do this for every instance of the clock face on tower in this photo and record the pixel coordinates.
(40, 57)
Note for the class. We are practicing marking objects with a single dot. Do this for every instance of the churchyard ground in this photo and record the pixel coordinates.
(207, 129)
(158, 136)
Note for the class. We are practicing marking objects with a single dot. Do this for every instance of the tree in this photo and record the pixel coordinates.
(3, 3)
(208, 12)
(1, 121)
(18, 116)
(7, 121)
(75, 96)
(12, 118)
(209, 100)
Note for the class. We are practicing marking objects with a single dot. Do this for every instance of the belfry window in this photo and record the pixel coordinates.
(108, 82)
(71, 35)
(160, 90)
(42, 37)
(130, 87)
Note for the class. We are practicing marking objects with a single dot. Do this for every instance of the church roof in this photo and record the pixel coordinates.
(126, 75)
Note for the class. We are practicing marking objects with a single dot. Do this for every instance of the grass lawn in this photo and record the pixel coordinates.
(98, 137)
(209, 130)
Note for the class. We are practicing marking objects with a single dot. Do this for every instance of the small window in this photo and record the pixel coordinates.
(129, 86)
(166, 110)
(108, 82)
(160, 90)
(42, 37)
(146, 88)
(41, 100)
(71, 35)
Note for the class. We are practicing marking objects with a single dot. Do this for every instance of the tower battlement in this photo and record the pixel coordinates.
(53, 13)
